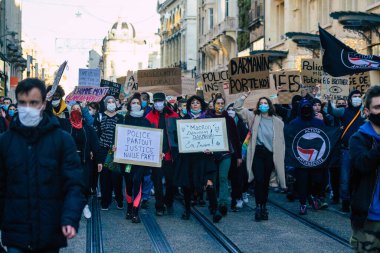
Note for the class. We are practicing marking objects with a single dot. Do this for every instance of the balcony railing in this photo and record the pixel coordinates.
(255, 15)
(229, 24)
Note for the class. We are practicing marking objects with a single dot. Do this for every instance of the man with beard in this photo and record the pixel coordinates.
(364, 180)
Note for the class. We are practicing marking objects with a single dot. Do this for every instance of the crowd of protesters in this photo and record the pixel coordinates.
(256, 158)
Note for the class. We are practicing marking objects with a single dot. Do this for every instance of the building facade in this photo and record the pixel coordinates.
(291, 28)
(256, 25)
(218, 30)
(12, 63)
(122, 50)
(178, 34)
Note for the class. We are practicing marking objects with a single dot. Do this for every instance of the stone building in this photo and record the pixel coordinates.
(123, 50)
(12, 63)
(291, 28)
(178, 33)
(217, 33)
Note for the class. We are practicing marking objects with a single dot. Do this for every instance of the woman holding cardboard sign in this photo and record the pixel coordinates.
(265, 150)
(196, 171)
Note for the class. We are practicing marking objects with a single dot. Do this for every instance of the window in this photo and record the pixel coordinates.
(211, 18)
(227, 8)
(280, 20)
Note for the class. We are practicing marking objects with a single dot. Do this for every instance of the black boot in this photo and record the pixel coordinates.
(128, 215)
(264, 212)
(217, 216)
(186, 215)
(258, 213)
(135, 215)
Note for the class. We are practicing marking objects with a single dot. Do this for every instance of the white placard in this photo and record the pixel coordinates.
(89, 77)
(196, 136)
(138, 145)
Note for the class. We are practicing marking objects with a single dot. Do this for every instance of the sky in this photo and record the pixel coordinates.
(49, 22)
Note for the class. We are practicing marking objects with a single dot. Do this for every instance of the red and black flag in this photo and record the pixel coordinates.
(339, 59)
(310, 147)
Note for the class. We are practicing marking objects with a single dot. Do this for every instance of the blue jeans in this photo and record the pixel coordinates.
(345, 175)
(147, 187)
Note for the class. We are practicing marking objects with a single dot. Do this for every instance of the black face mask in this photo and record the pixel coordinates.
(374, 118)
(340, 106)
(307, 113)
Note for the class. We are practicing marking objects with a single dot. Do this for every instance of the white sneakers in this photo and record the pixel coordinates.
(86, 212)
(245, 197)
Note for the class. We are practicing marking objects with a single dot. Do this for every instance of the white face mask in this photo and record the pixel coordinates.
(232, 113)
(135, 108)
(29, 117)
(356, 101)
(55, 103)
(111, 107)
(159, 106)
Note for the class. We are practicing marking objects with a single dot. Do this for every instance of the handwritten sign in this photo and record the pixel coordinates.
(196, 136)
(159, 77)
(87, 93)
(138, 145)
(311, 73)
(57, 78)
(287, 83)
(213, 83)
(360, 81)
(89, 77)
(334, 87)
(188, 86)
(114, 88)
(249, 73)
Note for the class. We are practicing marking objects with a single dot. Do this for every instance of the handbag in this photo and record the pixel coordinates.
(110, 164)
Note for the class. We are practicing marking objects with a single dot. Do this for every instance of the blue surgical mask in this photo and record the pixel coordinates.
(5, 107)
(264, 108)
(356, 102)
(195, 112)
(184, 111)
(144, 104)
(11, 113)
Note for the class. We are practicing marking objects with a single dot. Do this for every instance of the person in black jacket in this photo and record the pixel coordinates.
(87, 144)
(134, 175)
(364, 179)
(40, 177)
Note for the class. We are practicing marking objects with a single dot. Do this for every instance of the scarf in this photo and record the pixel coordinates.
(137, 114)
(62, 107)
(76, 119)
(200, 115)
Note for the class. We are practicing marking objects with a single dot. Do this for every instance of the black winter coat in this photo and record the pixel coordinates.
(41, 185)
(365, 161)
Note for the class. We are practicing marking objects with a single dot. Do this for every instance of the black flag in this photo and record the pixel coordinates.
(339, 59)
(310, 147)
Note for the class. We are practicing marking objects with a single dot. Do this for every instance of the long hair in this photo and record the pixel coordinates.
(271, 112)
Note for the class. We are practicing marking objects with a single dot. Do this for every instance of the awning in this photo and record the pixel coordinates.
(308, 40)
(273, 54)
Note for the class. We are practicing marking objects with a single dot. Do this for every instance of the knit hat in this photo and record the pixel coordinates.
(159, 96)
(108, 98)
(316, 101)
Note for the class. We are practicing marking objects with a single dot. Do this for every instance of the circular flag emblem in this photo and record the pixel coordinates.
(311, 147)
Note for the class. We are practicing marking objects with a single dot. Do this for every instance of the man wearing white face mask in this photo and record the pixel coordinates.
(109, 180)
(163, 117)
(351, 122)
(48, 192)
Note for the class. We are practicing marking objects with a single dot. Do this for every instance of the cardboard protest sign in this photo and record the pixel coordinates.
(334, 87)
(311, 71)
(57, 78)
(88, 94)
(159, 77)
(360, 81)
(196, 136)
(138, 145)
(114, 88)
(89, 77)
(188, 86)
(287, 83)
(213, 83)
(249, 73)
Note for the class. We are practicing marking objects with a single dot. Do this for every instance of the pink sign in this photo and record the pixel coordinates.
(87, 93)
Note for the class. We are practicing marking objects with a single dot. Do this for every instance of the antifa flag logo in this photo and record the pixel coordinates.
(354, 60)
(311, 147)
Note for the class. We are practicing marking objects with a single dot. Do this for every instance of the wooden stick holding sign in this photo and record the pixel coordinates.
(195, 136)
(56, 80)
(138, 145)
